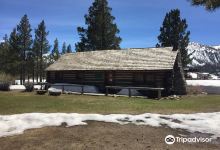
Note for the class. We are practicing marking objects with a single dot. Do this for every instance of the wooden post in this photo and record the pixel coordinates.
(62, 88)
(106, 91)
(82, 91)
(159, 94)
(129, 92)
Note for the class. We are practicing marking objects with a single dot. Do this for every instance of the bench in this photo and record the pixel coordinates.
(135, 88)
(76, 85)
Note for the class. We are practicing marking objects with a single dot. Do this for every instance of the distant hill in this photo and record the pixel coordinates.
(206, 58)
(216, 47)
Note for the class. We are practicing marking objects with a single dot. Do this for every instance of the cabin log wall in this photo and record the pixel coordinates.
(120, 78)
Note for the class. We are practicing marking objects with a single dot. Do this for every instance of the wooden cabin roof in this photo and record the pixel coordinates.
(130, 59)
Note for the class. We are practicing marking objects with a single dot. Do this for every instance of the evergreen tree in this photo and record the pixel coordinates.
(41, 47)
(4, 53)
(69, 49)
(209, 4)
(36, 50)
(174, 33)
(55, 54)
(64, 50)
(101, 32)
(14, 57)
(25, 41)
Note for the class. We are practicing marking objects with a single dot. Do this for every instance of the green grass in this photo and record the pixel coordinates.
(18, 102)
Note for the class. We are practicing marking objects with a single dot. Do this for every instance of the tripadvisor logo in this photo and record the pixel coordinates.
(170, 139)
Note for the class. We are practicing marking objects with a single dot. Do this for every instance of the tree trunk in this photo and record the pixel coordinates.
(33, 73)
(21, 76)
(41, 66)
(37, 69)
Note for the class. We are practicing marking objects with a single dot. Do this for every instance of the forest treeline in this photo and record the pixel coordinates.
(25, 56)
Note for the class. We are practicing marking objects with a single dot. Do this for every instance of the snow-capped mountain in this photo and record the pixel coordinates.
(204, 55)
(216, 47)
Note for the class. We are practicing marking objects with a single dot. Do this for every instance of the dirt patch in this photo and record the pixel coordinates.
(100, 135)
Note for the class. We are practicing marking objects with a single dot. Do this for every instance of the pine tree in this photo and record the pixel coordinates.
(55, 54)
(36, 50)
(4, 53)
(25, 41)
(14, 52)
(64, 50)
(174, 33)
(69, 49)
(209, 4)
(41, 47)
(101, 32)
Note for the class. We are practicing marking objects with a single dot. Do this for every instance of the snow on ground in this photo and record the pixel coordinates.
(17, 82)
(22, 87)
(215, 83)
(17, 87)
(214, 77)
(200, 122)
(193, 75)
(54, 90)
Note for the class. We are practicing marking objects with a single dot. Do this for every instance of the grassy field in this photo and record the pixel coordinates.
(19, 102)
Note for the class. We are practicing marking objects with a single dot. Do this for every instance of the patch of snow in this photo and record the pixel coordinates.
(38, 87)
(54, 90)
(17, 82)
(22, 87)
(214, 77)
(193, 75)
(17, 87)
(204, 73)
(216, 47)
(214, 83)
(200, 122)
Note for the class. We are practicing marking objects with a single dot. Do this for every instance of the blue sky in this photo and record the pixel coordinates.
(138, 20)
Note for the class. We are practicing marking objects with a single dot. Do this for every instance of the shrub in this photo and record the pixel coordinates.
(54, 92)
(41, 92)
(5, 81)
(4, 86)
(29, 87)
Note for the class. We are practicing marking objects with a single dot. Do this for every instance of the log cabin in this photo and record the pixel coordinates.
(151, 67)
